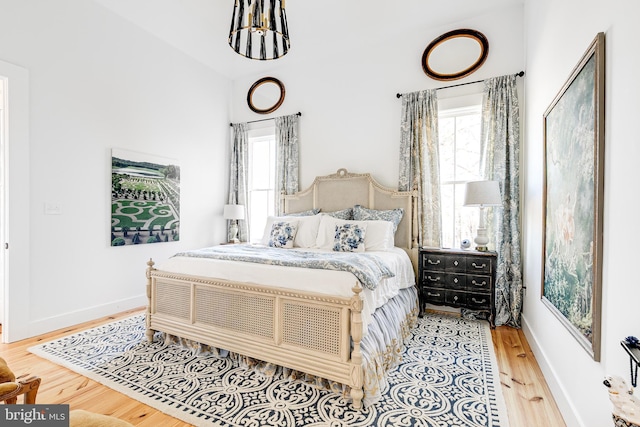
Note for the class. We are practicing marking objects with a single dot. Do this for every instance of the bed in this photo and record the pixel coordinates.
(259, 311)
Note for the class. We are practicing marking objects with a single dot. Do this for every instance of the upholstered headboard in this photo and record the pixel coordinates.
(343, 190)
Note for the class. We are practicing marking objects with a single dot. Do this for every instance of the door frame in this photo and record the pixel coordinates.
(16, 272)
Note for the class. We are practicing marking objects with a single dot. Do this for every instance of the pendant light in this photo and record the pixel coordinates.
(259, 29)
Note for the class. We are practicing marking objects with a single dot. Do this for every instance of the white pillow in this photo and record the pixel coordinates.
(379, 236)
(307, 229)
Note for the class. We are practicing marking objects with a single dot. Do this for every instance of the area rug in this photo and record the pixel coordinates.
(448, 377)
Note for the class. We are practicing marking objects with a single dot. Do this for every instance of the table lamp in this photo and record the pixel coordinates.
(233, 213)
(482, 194)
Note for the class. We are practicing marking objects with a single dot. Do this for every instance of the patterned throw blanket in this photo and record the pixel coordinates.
(368, 268)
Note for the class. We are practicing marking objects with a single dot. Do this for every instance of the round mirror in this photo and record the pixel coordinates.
(455, 54)
(266, 95)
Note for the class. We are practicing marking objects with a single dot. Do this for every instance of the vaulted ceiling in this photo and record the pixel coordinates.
(318, 29)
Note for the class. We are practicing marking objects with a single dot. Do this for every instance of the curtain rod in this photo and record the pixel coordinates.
(264, 120)
(520, 74)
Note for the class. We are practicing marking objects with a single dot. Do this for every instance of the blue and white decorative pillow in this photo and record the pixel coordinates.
(349, 238)
(309, 212)
(342, 214)
(361, 213)
(282, 234)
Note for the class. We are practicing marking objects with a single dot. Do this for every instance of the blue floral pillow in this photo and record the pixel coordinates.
(361, 213)
(342, 214)
(349, 238)
(283, 234)
(309, 212)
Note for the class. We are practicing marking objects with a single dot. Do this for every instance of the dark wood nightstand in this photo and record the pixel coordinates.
(457, 278)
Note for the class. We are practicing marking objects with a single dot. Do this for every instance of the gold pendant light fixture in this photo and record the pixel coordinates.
(259, 29)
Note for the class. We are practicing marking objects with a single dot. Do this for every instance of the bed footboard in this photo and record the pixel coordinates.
(309, 332)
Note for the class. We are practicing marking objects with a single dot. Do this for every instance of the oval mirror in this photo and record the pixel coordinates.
(266, 95)
(455, 54)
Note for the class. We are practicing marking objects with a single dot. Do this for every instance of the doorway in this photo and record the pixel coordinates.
(15, 282)
(3, 114)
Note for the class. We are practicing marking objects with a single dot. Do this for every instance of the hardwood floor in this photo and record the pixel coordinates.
(526, 393)
(528, 399)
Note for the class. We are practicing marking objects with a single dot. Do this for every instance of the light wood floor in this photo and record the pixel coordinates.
(529, 401)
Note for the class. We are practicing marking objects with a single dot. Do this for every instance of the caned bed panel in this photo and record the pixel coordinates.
(316, 327)
(235, 311)
(173, 299)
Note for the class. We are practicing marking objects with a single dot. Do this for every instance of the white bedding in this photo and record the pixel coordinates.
(329, 282)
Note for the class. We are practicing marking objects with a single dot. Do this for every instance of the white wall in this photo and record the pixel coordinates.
(557, 34)
(97, 82)
(350, 113)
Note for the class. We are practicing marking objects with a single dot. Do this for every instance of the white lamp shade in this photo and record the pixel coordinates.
(482, 193)
(233, 212)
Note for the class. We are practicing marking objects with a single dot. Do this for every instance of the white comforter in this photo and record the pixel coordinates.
(328, 282)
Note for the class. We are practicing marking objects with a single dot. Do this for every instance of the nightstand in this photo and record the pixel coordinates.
(457, 278)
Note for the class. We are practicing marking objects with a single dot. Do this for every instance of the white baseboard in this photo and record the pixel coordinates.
(567, 409)
(42, 326)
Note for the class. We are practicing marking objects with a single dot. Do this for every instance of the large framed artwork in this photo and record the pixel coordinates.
(573, 200)
(145, 198)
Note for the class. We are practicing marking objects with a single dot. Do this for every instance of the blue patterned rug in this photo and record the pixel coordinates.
(448, 377)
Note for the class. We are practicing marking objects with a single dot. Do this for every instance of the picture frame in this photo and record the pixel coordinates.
(145, 198)
(573, 187)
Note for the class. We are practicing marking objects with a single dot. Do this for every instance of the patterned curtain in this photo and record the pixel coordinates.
(419, 164)
(500, 162)
(287, 157)
(238, 188)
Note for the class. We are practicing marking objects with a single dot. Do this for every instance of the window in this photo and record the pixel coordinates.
(459, 133)
(261, 181)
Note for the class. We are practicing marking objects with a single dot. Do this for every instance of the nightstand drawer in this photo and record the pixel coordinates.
(434, 296)
(433, 278)
(478, 265)
(479, 283)
(430, 261)
(478, 301)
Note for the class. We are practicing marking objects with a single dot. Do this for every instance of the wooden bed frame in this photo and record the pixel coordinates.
(305, 331)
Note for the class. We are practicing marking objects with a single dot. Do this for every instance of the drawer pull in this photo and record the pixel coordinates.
(436, 262)
(456, 263)
(478, 266)
(478, 302)
(433, 279)
(455, 280)
(479, 284)
(455, 298)
(432, 295)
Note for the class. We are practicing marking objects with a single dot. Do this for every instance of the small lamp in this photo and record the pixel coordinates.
(233, 213)
(482, 194)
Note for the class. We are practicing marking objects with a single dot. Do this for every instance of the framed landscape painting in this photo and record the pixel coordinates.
(145, 198)
(573, 200)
